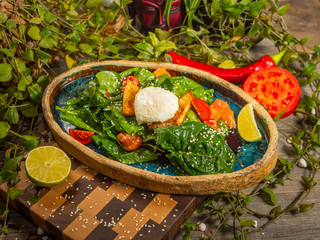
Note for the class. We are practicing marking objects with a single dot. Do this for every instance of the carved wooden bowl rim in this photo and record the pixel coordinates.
(190, 185)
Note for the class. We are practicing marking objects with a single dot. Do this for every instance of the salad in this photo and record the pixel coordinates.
(140, 116)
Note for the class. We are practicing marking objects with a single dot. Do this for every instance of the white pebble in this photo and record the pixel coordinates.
(202, 227)
(302, 163)
(40, 231)
(107, 3)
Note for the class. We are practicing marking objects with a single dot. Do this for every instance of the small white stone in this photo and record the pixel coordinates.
(202, 227)
(313, 111)
(289, 140)
(255, 223)
(302, 163)
(107, 3)
(40, 231)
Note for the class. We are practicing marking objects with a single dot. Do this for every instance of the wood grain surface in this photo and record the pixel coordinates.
(303, 20)
(89, 205)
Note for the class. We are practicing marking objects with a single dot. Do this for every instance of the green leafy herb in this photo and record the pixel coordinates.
(196, 149)
(213, 32)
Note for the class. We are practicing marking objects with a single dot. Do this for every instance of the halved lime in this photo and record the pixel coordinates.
(247, 126)
(47, 166)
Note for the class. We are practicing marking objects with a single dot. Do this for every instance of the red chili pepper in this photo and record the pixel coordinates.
(233, 75)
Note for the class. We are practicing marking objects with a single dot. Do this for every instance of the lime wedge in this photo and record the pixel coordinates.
(47, 166)
(247, 126)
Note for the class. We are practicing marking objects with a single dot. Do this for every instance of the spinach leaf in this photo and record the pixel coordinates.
(141, 155)
(223, 129)
(90, 118)
(116, 152)
(191, 117)
(144, 75)
(73, 101)
(78, 122)
(122, 123)
(161, 79)
(89, 91)
(99, 99)
(129, 72)
(174, 87)
(109, 145)
(109, 81)
(206, 95)
(68, 110)
(180, 85)
(196, 149)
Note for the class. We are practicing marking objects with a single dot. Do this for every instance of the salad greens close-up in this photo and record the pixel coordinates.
(40, 39)
(193, 148)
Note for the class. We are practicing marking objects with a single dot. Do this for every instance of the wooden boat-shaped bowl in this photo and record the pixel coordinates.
(242, 178)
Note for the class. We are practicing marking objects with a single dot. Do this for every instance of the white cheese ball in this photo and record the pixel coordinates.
(154, 104)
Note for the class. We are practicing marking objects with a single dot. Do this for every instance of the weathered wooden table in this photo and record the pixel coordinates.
(303, 20)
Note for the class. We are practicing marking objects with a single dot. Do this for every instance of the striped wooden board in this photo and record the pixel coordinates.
(88, 205)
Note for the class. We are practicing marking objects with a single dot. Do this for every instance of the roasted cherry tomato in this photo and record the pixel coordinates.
(108, 94)
(202, 108)
(274, 88)
(212, 123)
(81, 135)
(129, 142)
(129, 78)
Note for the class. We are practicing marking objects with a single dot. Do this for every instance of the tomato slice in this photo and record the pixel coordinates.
(212, 123)
(129, 78)
(129, 142)
(274, 88)
(81, 135)
(202, 108)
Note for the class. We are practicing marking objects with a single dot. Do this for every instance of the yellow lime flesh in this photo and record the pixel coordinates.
(47, 166)
(247, 126)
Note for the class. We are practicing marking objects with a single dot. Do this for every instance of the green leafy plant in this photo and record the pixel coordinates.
(34, 34)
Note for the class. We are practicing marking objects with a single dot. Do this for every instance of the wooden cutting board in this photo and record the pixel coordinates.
(89, 205)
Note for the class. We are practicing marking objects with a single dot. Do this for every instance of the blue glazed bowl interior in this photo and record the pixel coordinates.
(249, 153)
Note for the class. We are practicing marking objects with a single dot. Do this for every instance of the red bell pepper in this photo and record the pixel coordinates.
(233, 75)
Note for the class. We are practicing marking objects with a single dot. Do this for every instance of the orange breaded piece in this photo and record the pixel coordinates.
(178, 118)
(129, 95)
